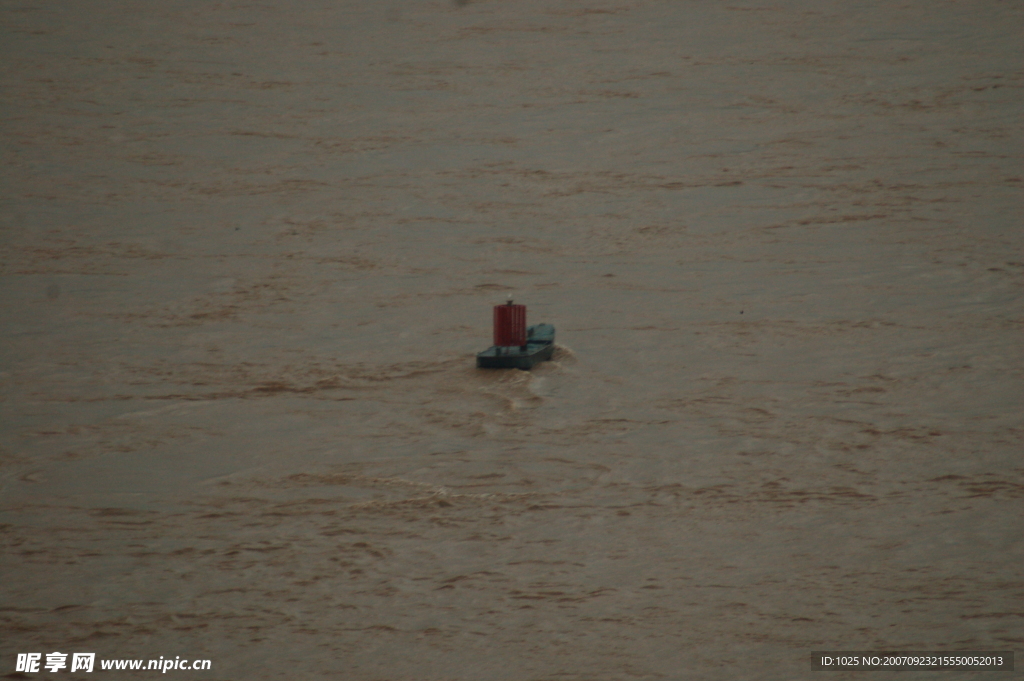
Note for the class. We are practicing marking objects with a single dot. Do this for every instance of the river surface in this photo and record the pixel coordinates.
(250, 249)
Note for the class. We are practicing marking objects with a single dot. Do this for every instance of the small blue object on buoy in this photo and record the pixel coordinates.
(516, 346)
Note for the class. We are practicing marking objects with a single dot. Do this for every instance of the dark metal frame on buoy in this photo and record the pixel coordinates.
(516, 345)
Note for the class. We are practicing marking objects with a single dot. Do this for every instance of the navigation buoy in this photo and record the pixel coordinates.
(509, 325)
(516, 345)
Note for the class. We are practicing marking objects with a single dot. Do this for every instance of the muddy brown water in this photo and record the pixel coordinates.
(249, 251)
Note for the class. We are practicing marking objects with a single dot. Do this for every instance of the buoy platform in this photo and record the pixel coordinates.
(516, 346)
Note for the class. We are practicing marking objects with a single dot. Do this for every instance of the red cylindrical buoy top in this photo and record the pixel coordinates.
(509, 325)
